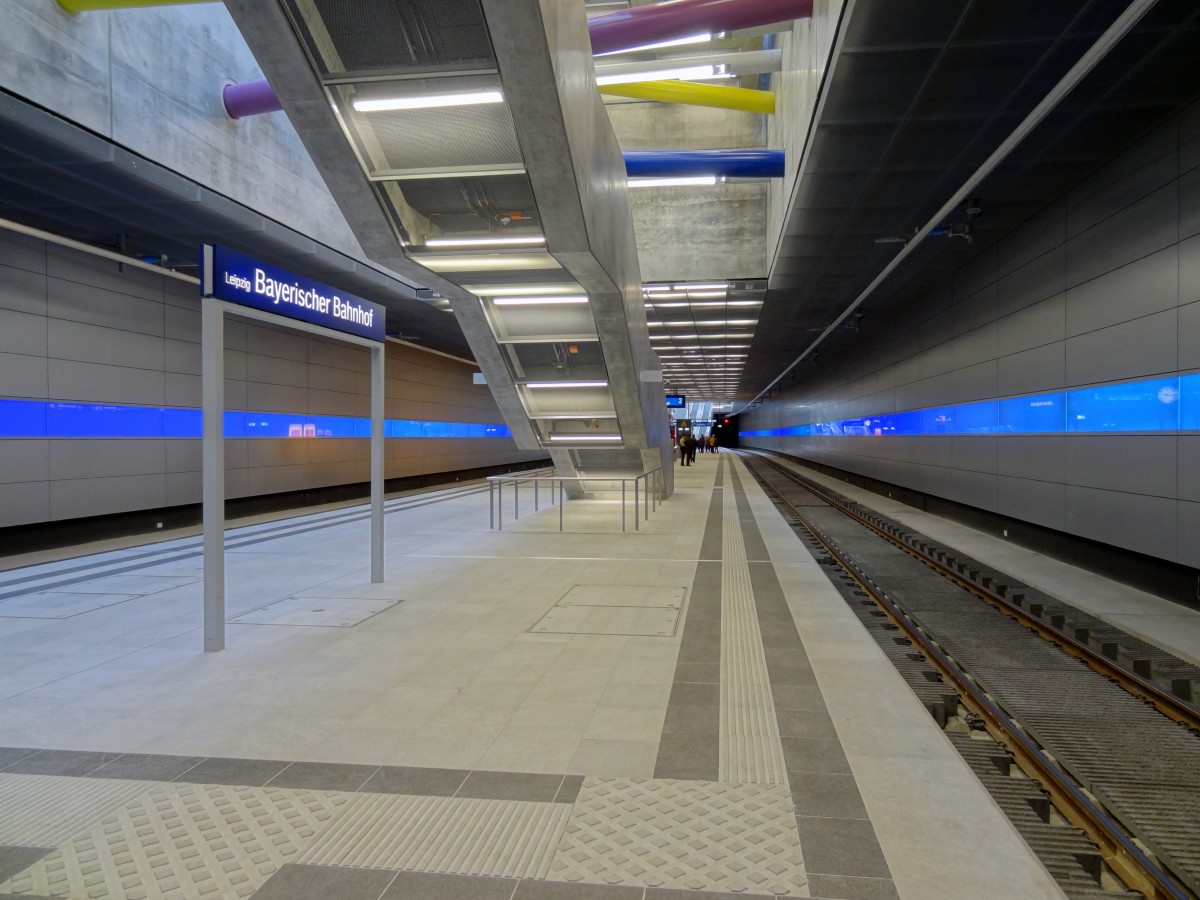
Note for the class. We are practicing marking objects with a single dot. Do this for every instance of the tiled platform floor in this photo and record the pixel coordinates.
(449, 749)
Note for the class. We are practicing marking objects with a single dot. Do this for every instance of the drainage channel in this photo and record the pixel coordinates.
(1099, 771)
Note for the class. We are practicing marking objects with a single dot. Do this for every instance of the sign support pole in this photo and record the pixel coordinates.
(377, 462)
(212, 368)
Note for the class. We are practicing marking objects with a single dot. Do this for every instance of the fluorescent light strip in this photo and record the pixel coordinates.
(713, 286)
(538, 301)
(679, 73)
(495, 241)
(429, 101)
(565, 384)
(674, 42)
(684, 181)
(586, 437)
(522, 290)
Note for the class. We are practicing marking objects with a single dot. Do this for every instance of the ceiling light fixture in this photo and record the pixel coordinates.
(522, 290)
(566, 384)
(493, 241)
(586, 437)
(679, 73)
(428, 101)
(538, 301)
(674, 42)
(711, 286)
(682, 181)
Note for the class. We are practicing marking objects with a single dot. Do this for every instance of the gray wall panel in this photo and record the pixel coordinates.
(1139, 523)
(109, 346)
(24, 376)
(1138, 230)
(1189, 204)
(1145, 346)
(22, 333)
(1045, 276)
(74, 498)
(94, 383)
(1189, 467)
(1189, 337)
(1030, 371)
(22, 290)
(24, 502)
(1137, 464)
(1039, 457)
(1035, 325)
(24, 460)
(1189, 534)
(22, 252)
(1040, 502)
(1144, 286)
(104, 458)
(1045, 231)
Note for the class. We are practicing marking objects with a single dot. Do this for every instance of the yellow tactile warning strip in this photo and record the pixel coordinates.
(184, 841)
(750, 750)
(689, 835)
(508, 838)
(47, 810)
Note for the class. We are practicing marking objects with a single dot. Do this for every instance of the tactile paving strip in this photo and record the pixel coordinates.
(507, 838)
(48, 810)
(689, 835)
(750, 750)
(184, 841)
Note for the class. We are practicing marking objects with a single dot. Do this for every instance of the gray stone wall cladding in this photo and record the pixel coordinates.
(74, 328)
(1101, 286)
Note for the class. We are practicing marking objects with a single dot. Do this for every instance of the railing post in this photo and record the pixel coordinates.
(491, 505)
(560, 504)
(636, 503)
(622, 505)
(500, 505)
(516, 499)
(536, 490)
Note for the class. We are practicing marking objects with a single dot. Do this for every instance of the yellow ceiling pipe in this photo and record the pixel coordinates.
(693, 94)
(78, 6)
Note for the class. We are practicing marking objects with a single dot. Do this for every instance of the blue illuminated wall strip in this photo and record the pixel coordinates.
(45, 419)
(1158, 404)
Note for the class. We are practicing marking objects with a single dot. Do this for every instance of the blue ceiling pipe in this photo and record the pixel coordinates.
(722, 163)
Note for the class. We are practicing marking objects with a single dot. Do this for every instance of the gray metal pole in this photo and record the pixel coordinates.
(516, 499)
(637, 483)
(499, 505)
(491, 505)
(536, 486)
(622, 505)
(212, 388)
(377, 470)
(560, 504)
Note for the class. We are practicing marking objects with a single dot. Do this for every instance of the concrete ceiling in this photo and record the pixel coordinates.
(917, 97)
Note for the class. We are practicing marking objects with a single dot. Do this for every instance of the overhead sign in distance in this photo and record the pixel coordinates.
(676, 401)
(237, 278)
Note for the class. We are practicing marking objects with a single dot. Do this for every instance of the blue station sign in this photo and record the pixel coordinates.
(237, 278)
(676, 401)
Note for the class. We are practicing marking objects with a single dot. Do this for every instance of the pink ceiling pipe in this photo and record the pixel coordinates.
(250, 99)
(641, 25)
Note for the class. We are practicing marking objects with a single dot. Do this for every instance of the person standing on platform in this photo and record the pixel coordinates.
(683, 450)
(692, 445)
(712, 443)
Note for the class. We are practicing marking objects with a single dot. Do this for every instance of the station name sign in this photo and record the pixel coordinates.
(676, 401)
(236, 278)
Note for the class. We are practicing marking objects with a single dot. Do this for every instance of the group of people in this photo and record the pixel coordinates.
(689, 444)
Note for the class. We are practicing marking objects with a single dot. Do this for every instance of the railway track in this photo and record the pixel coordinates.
(1084, 734)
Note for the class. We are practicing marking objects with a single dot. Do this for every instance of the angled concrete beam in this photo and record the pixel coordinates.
(78, 6)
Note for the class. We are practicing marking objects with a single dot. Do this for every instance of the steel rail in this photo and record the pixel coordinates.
(1119, 850)
(1165, 702)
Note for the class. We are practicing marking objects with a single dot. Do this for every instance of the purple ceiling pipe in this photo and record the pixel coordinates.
(250, 99)
(640, 25)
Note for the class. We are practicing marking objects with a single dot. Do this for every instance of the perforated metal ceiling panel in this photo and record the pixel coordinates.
(394, 35)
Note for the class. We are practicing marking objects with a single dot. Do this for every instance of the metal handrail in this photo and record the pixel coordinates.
(645, 498)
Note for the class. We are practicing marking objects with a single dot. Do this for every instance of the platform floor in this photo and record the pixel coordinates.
(591, 715)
